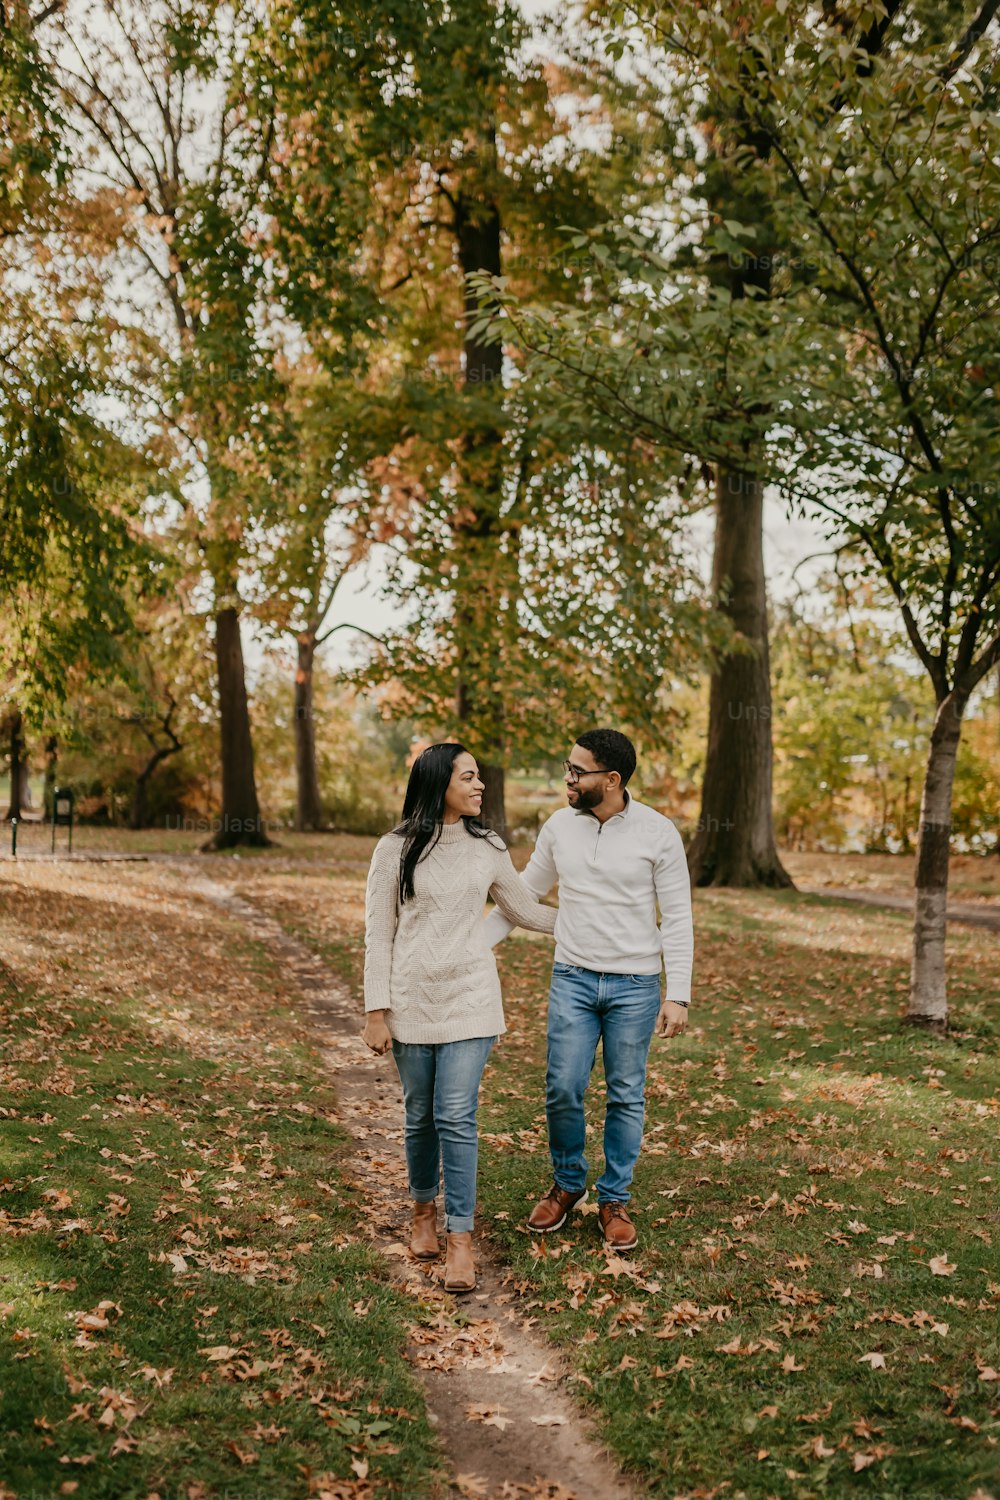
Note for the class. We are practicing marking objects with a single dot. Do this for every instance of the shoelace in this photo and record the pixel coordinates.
(616, 1210)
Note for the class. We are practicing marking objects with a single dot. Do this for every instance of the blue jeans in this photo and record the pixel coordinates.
(441, 1095)
(620, 1010)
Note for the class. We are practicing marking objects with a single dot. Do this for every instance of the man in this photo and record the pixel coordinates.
(614, 859)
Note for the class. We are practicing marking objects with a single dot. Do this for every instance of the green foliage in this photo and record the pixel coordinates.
(527, 567)
(361, 760)
(851, 727)
(852, 724)
(31, 149)
(71, 485)
(857, 358)
(580, 599)
(161, 697)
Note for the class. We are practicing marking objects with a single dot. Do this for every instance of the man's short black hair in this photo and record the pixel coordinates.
(612, 751)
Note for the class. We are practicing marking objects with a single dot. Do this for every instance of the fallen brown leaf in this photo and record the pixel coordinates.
(488, 1415)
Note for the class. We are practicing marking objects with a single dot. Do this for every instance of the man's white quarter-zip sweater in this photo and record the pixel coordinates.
(611, 876)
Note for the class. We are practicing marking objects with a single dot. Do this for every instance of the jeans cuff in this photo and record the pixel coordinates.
(459, 1223)
(424, 1195)
(577, 1187)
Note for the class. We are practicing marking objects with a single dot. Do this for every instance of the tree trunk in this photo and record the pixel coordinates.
(928, 985)
(308, 803)
(18, 767)
(494, 811)
(734, 843)
(138, 816)
(482, 565)
(139, 811)
(240, 822)
(51, 762)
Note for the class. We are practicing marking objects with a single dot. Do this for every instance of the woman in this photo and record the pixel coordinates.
(431, 985)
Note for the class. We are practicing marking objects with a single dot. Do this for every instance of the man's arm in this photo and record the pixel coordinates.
(673, 892)
(539, 875)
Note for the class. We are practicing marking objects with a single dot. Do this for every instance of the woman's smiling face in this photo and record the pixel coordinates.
(464, 795)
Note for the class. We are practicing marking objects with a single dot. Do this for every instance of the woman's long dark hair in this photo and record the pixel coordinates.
(423, 809)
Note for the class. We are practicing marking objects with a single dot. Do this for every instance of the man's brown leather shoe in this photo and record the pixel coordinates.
(550, 1212)
(423, 1236)
(617, 1228)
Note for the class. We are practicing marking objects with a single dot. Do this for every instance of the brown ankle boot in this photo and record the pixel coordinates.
(459, 1266)
(423, 1236)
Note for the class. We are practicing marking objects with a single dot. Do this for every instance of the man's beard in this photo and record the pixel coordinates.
(588, 797)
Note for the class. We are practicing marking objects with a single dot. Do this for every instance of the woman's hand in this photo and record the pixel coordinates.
(376, 1033)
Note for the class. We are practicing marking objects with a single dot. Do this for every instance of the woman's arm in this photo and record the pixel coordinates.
(515, 900)
(381, 905)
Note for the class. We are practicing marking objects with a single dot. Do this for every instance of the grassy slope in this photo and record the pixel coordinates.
(170, 1187)
(807, 1160)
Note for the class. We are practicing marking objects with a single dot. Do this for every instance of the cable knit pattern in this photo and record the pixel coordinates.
(427, 963)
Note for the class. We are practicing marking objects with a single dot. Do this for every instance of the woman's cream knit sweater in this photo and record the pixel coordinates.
(427, 964)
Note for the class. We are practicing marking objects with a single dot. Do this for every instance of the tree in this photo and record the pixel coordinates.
(605, 612)
(330, 509)
(174, 161)
(710, 204)
(886, 211)
(70, 531)
(896, 442)
(18, 798)
(733, 843)
(471, 177)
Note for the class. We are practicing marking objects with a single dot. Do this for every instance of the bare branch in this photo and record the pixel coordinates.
(974, 31)
(346, 625)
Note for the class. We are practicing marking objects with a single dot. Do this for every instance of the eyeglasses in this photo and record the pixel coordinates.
(575, 772)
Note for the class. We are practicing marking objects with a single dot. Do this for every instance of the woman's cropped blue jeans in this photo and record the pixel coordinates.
(441, 1096)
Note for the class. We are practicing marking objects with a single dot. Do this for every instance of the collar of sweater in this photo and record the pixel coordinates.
(452, 833)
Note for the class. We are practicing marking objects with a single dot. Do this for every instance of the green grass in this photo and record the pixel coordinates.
(806, 1158)
(187, 1305)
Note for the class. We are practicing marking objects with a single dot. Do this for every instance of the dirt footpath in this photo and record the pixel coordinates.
(497, 1393)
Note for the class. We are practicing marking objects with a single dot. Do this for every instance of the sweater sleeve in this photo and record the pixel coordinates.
(538, 878)
(516, 901)
(673, 892)
(381, 906)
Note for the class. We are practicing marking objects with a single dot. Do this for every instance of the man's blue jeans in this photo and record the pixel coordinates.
(620, 1010)
(441, 1095)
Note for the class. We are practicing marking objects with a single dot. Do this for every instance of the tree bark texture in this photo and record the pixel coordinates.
(479, 533)
(734, 843)
(51, 767)
(308, 801)
(240, 821)
(18, 799)
(928, 982)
